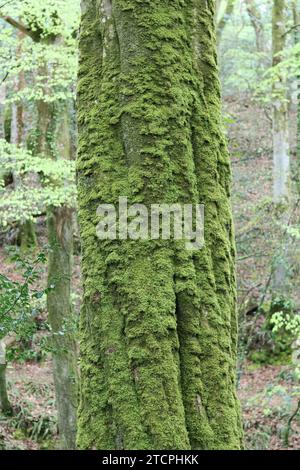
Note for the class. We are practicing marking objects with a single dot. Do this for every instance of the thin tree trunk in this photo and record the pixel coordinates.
(296, 17)
(158, 322)
(281, 159)
(61, 319)
(222, 21)
(2, 110)
(27, 237)
(257, 23)
(54, 136)
(5, 405)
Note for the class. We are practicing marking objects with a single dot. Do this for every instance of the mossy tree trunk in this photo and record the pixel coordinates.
(158, 323)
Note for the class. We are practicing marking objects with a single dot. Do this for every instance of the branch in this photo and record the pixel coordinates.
(20, 26)
(291, 29)
(6, 3)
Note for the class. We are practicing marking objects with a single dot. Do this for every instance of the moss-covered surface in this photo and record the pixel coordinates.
(158, 323)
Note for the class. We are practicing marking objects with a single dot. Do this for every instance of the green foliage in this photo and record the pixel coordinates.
(289, 324)
(54, 24)
(17, 297)
(55, 185)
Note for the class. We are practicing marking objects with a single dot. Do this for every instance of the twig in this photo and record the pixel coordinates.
(289, 425)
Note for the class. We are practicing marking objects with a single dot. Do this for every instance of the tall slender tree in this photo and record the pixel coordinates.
(223, 17)
(296, 18)
(257, 23)
(281, 160)
(158, 322)
(52, 140)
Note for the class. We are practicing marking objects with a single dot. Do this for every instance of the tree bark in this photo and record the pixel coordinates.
(53, 138)
(281, 161)
(5, 404)
(257, 23)
(27, 237)
(224, 18)
(62, 321)
(296, 18)
(158, 323)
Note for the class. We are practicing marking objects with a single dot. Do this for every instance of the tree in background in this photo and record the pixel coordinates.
(296, 27)
(158, 323)
(257, 23)
(280, 109)
(223, 13)
(53, 44)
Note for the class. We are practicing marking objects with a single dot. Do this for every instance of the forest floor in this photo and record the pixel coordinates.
(267, 395)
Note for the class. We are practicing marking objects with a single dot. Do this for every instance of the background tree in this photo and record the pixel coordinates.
(280, 115)
(51, 139)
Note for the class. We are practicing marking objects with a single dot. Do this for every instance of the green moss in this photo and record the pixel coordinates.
(158, 323)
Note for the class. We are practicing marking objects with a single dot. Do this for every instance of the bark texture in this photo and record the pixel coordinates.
(158, 323)
(5, 405)
(281, 161)
(224, 18)
(53, 140)
(257, 23)
(296, 18)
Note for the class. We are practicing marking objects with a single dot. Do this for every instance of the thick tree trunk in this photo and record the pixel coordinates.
(158, 322)
(281, 163)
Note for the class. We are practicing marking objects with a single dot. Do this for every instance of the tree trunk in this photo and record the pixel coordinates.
(2, 110)
(281, 161)
(27, 237)
(53, 138)
(61, 319)
(296, 17)
(223, 19)
(5, 405)
(257, 23)
(158, 323)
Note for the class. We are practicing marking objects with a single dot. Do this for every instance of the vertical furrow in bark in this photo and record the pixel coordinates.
(145, 363)
(212, 347)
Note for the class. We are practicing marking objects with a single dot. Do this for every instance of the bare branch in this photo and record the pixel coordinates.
(20, 26)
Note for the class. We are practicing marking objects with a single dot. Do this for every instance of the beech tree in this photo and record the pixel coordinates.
(158, 322)
(280, 108)
(52, 141)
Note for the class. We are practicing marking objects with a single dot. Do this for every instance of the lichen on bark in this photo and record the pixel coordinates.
(158, 323)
